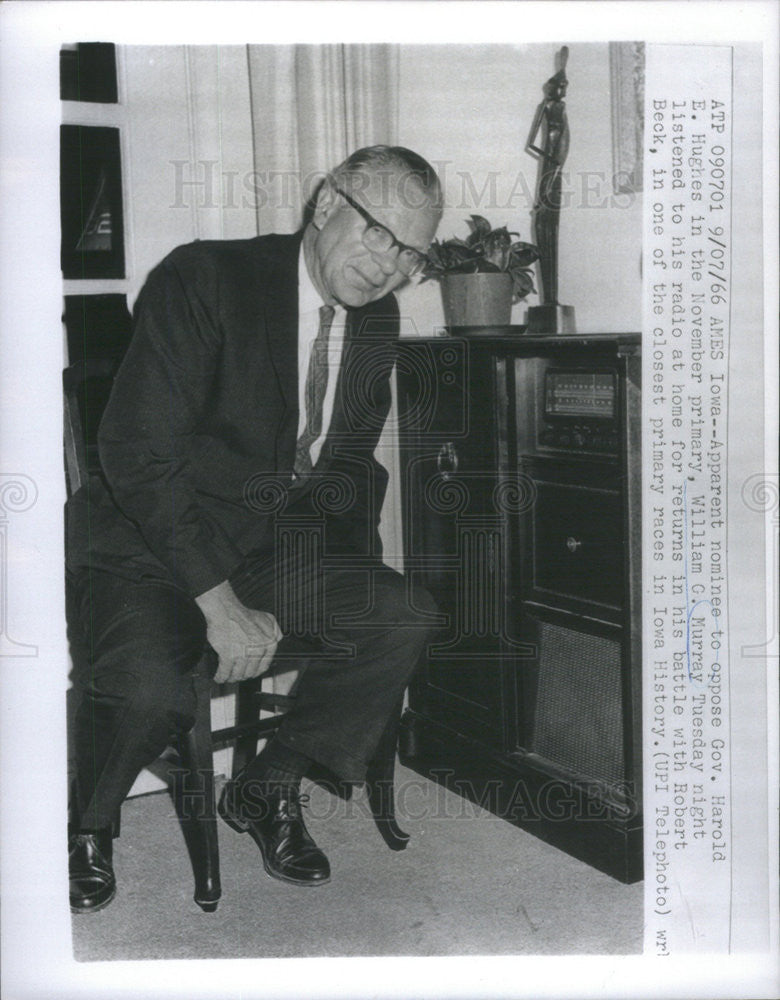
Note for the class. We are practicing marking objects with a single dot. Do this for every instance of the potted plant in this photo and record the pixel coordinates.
(482, 276)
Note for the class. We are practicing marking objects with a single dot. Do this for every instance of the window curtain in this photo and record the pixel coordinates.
(311, 106)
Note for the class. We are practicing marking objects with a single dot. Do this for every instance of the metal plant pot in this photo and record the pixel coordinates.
(482, 299)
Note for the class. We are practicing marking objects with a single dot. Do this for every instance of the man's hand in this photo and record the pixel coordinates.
(244, 639)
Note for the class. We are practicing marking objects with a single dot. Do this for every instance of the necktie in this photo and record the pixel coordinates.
(314, 395)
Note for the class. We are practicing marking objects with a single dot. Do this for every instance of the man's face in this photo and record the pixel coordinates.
(343, 268)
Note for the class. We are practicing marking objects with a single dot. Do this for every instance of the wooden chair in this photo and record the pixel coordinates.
(188, 763)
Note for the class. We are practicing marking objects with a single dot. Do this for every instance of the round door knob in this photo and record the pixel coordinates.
(572, 544)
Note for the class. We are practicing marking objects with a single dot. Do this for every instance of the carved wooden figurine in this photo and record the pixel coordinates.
(552, 127)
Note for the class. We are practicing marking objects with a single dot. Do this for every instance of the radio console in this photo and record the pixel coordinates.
(577, 410)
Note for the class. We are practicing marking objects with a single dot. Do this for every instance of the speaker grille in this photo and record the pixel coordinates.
(578, 722)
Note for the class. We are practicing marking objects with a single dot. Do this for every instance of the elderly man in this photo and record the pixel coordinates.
(257, 367)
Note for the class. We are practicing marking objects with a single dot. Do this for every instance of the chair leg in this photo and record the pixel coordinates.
(247, 712)
(195, 802)
(380, 784)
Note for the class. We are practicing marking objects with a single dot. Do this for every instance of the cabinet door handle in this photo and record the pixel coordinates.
(572, 544)
(447, 460)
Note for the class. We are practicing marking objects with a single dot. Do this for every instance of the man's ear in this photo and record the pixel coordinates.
(326, 203)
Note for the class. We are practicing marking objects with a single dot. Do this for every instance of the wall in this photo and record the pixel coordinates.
(186, 142)
(189, 132)
(469, 110)
(466, 108)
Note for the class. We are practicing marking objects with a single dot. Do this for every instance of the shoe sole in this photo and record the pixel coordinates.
(78, 911)
(241, 826)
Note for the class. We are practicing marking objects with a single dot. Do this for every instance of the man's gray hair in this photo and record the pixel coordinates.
(392, 160)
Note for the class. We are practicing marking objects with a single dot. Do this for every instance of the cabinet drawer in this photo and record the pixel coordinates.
(576, 545)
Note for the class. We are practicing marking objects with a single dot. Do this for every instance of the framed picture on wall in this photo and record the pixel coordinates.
(88, 72)
(91, 203)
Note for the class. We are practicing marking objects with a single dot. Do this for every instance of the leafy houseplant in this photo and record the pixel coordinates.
(481, 276)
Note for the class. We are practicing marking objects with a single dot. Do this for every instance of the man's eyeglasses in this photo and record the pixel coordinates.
(378, 239)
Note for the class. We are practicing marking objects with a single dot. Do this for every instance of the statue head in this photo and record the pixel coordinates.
(555, 88)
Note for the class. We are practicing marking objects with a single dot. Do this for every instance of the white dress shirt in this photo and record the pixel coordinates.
(309, 303)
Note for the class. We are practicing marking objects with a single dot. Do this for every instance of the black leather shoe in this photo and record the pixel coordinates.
(271, 813)
(92, 881)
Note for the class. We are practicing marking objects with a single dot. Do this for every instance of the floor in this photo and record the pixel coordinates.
(469, 883)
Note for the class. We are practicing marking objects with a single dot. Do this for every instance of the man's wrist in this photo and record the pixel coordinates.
(217, 598)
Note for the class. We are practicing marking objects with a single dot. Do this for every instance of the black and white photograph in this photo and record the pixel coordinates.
(400, 481)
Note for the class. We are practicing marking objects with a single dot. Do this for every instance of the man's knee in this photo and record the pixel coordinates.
(403, 606)
(154, 698)
(172, 702)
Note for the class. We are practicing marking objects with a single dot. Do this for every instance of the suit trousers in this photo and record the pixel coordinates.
(351, 624)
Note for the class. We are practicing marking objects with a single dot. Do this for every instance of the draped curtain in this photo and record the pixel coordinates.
(312, 105)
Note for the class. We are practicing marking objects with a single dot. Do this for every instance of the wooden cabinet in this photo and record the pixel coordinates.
(454, 542)
(520, 460)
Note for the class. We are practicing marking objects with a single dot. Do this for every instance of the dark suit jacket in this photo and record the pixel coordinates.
(198, 439)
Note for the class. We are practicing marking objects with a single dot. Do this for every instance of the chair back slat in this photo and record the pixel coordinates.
(76, 381)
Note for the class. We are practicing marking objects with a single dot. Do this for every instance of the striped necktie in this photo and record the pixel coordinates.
(316, 384)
